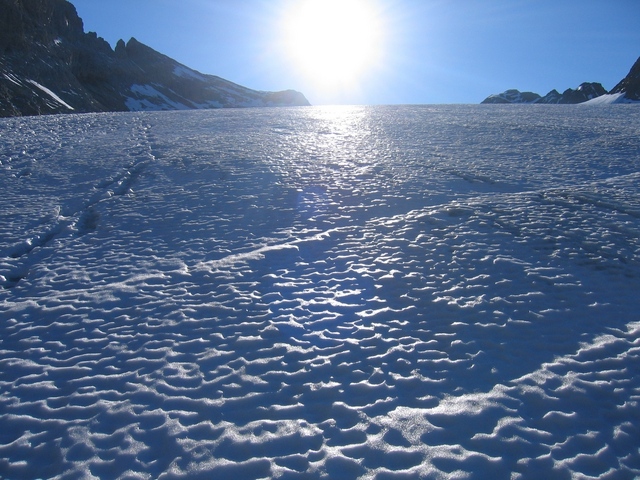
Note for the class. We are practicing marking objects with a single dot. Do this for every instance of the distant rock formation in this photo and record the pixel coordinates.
(629, 86)
(586, 91)
(626, 91)
(48, 64)
(512, 96)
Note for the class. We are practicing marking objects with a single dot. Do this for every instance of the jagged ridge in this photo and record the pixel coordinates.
(626, 91)
(586, 91)
(48, 64)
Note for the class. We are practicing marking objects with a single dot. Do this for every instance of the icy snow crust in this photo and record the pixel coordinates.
(346, 292)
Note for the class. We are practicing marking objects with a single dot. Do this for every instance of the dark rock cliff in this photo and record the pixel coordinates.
(630, 85)
(48, 64)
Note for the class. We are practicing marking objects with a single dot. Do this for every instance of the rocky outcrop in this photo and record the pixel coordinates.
(630, 85)
(553, 96)
(512, 96)
(48, 64)
(586, 91)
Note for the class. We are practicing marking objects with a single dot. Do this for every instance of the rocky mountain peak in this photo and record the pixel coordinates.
(585, 91)
(630, 85)
(628, 90)
(49, 65)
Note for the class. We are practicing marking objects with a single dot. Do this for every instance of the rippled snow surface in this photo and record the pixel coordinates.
(345, 292)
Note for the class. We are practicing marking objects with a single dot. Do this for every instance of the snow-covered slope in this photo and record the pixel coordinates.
(610, 98)
(384, 292)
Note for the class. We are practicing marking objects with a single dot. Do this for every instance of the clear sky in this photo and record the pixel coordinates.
(419, 51)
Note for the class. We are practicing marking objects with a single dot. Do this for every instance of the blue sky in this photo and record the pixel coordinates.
(433, 51)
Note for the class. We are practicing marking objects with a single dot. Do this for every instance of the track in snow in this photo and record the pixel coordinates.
(387, 292)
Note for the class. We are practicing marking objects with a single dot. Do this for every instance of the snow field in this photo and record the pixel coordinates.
(347, 292)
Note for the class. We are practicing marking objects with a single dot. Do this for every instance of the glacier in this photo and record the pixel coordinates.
(321, 292)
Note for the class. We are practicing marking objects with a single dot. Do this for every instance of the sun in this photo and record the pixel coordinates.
(333, 42)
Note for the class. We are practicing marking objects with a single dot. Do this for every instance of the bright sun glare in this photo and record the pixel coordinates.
(334, 42)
